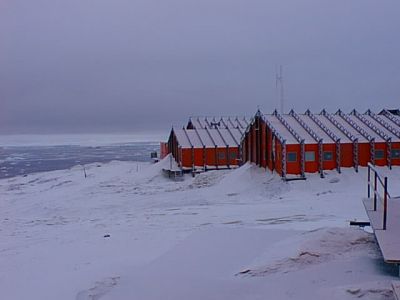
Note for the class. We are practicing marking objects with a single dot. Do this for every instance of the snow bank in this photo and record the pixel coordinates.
(314, 247)
(251, 181)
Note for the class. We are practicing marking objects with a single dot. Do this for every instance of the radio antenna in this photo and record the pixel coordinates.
(279, 87)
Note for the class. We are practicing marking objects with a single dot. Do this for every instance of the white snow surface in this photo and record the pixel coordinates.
(127, 232)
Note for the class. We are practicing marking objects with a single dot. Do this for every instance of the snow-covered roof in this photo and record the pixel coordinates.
(182, 139)
(209, 138)
(329, 127)
(315, 128)
(332, 128)
(385, 126)
(353, 132)
(390, 117)
(308, 139)
(281, 129)
(366, 129)
(218, 122)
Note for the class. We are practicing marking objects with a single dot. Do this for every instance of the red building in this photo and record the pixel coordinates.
(307, 143)
(208, 143)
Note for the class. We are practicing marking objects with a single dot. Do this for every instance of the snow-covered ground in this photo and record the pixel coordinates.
(127, 232)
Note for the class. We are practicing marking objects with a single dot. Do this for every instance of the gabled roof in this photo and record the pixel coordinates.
(217, 122)
(208, 138)
(328, 128)
(324, 121)
(280, 128)
(318, 130)
(182, 139)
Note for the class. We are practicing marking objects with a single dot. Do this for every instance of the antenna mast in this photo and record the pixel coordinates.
(279, 87)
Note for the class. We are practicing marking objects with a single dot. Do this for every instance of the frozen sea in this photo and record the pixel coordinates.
(27, 154)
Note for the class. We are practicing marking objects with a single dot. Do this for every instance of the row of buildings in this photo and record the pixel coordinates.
(291, 144)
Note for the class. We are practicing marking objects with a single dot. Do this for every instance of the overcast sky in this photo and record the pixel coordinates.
(129, 65)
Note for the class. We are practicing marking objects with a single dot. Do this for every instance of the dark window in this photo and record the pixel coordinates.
(221, 155)
(310, 156)
(379, 154)
(292, 156)
(395, 153)
(328, 156)
(233, 155)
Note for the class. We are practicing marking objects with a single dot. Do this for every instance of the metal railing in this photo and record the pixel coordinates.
(375, 183)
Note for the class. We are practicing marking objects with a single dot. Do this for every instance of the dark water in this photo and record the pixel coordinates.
(25, 160)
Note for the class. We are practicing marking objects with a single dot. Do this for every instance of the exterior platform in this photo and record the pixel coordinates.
(396, 289)
(389, 239)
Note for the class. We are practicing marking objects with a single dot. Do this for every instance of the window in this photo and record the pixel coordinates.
(328, 155)
(395, 153)
(233, 155)
(292, 156)
(379, 154)
(310, 156)
(221, 155)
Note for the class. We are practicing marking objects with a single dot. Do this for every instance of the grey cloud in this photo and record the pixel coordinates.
(83, 66)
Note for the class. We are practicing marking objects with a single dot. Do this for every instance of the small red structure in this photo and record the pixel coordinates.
(163, 150)
(307, 143)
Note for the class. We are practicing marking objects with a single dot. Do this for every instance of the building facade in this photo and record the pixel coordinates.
(295, 144)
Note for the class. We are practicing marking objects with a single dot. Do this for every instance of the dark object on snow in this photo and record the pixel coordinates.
(107, 235)
(334, 180)
(245, 271)
(360, 223)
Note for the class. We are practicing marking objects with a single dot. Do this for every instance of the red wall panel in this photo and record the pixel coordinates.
(263, 142)
(329, 165)
(382, 161)
(293, 167)
(396, 161)
(364, 154)
(346, 155)
(311, 166)
(199, 157)
(253, 143)
(210, 157)
(278, 157)
(186, 158)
